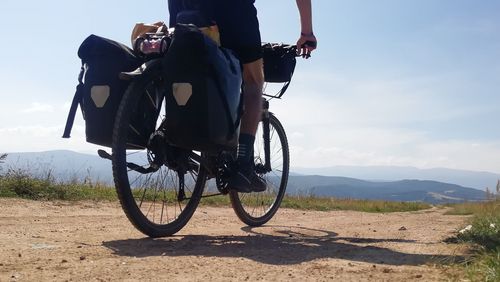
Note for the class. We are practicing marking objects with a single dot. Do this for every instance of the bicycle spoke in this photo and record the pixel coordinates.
(162, 206)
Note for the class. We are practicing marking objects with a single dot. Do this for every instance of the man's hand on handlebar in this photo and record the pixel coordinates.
(306, 44)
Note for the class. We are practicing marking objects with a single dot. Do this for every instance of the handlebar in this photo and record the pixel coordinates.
(307, 44)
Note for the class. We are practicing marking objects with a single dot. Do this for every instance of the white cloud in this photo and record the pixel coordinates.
(353, 146)
(391, 148)
(38, 108)
(459, 154)
(296, 135)
(347, 121)
(35, 131)
(40, 138)
(359, 121)
(65, 107)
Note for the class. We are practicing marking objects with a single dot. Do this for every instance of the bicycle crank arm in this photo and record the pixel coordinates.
(141, 169)
(105, 155)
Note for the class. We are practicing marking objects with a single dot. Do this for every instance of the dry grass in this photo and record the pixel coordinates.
(328, 204)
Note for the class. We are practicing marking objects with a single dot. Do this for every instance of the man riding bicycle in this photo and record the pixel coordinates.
(239, 31)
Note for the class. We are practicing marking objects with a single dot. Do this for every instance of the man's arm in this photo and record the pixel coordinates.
(306, 34)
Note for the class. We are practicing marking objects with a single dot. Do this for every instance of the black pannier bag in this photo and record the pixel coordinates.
(203, 95)
(279, 63)
(100, 90)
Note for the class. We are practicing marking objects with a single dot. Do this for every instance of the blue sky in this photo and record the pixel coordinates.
(394, 82)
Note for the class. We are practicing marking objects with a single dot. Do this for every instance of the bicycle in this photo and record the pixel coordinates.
(160, 186)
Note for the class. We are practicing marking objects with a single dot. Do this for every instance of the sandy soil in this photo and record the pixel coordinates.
(95, 242)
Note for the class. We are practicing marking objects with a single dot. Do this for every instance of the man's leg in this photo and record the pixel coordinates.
(246, 180)
(253, 77)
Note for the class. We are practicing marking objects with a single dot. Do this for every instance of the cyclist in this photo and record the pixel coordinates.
(239, 31)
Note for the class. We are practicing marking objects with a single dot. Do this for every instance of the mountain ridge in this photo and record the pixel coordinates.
(404, 190)
(475, 179)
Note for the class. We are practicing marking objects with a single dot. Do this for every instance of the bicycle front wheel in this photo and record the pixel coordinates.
(157, 200)
(256, 209)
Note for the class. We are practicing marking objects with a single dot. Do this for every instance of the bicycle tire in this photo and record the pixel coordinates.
(139, 193)
(248, 206)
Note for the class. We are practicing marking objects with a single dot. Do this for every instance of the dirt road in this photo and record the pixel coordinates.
(95, 242)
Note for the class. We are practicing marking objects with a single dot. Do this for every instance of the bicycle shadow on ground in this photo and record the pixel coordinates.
(286, 246)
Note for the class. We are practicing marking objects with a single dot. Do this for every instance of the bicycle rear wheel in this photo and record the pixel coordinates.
(255, 209)
(157, 200)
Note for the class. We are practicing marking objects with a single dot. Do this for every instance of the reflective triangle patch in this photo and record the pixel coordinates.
(182, 92)
(100, 95)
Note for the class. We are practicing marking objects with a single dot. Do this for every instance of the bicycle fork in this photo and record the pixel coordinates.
(266, 136)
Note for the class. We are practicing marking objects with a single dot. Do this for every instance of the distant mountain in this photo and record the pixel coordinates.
(69, 165)
(475, 179)
(404, 190)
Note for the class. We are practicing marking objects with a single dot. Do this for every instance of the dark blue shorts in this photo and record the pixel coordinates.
(237, 22)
